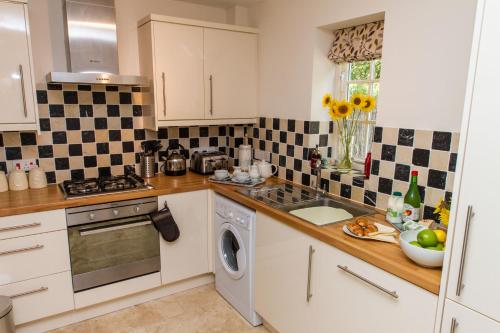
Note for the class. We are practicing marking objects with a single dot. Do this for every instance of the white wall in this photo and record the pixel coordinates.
(424, 64)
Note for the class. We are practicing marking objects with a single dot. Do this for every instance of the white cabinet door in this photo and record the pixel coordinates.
(346, 303)
(188, 255)
(231, 76)
(459, 319)
(281, 276)
(178, 57)
(478, 193)
(16, 82)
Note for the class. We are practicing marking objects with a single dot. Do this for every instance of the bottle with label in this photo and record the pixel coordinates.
(395, 208)
(412, 200)
(315, 158)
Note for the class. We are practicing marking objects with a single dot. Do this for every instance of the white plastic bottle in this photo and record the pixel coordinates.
(395, 208)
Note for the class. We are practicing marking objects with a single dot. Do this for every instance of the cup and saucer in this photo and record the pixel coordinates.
(241, 177)
(221, 175)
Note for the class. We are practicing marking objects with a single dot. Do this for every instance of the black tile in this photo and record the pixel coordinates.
(306, 179)
(139, 134)
(388, 153)
(297, 164)
(75, 150)
(262, 122)
(402, 172)
(335, 176)
(98, 97)
(102, 148)
(116, 159)
(128, 146)
(311, 127)
(203, 132)
(59, 138)
(323, 140)
(441, 141)
(238, 142)
(70, 97)
(77, 174)
(448, 196)
(385, 185)
(88, 136)
(421, 190)
(255, 132)
(358, 182)
(406, 137)
(436, 179)
(115, 135)
(1, 140)
(262, 145)
(329, 152)
(13, 153)
(276, 148)
(41, 97)
(283, 136)
(62, 163)
(113, 110)
(429, 214)
(305, 153)
(28, 139)
(222, 130)
(137, 110)
(290, 150)
(370, 198)
(90, 161)
(136, 89)
(291, 125)
(111, 88)
(213, 142)
(84, 87)
(231, 154)
(452, 165)
(45, 124)
(51, 177)
(377, 134)
(183, 132)
(104, 171)
(231, 131)
(276, 124)
(282, 161)
(269, 135)
(3, 167)
(330, 127)
(86, 110)
(289, 174)
(125, 98)
(127, 123)
(54, 86)
(345, 191)
(163, 133)
(421, 157)
(299, 139)
(101, 123)
(56, 110)
(73, 124)
(375, 167)
(138, 158)
(173, 142)
(325, 185)
(194, 143)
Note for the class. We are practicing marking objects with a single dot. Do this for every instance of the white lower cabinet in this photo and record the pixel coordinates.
(299, 287)
(188, 255)
(41, 297)
(459, 319)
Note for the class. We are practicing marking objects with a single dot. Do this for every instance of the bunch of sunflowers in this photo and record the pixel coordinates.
(347, 115)
(443, 209)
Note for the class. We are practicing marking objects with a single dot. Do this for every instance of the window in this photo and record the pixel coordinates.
(360, 77)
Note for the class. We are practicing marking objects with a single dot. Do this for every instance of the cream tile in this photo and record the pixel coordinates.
(450, 179)
(423, 139)
(404, 155)
(85, 97)
(29, 151)
(55, 96)
(112, 98)
(89, 149)
(390, 136)
(455, 141)
(60, 150)
(11, 139)
(439, 160)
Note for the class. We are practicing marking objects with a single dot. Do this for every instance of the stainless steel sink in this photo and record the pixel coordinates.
(288, 197)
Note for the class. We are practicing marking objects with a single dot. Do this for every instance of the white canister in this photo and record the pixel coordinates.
(37, 178)
(18, 180)
(4, 185)
(245, 156)
(395, 208)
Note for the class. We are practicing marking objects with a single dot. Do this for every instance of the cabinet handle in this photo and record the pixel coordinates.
(309, 273)
(470, 214)
(454, 324)
(24, 249)
(387, 291)
(211, 95)
(21, 75)
(22, 226)
(30, 292)
(164, 94)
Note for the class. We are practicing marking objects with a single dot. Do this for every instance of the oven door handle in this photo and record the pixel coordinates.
(94, 231)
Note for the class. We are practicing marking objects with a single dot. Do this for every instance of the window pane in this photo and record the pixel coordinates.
(363, 88)
(359, 70)
(378, 65)
(375, 89)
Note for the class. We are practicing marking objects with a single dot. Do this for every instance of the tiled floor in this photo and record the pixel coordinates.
(199, 310)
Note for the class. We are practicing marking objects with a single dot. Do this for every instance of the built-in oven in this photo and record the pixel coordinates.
(112, 242)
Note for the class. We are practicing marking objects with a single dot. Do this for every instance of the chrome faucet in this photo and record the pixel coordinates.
(319, 190)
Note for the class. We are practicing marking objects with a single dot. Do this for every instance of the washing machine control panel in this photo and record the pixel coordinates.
(233, 215)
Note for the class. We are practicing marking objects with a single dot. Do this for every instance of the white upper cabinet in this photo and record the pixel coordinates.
(231, 74)
(17, 90)
(200, 73)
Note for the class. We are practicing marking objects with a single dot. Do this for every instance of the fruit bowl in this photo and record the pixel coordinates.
(420, 255)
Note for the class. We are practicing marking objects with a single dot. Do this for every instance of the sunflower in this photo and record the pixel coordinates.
(343, 108)
(357, 100)
(327, 100)
(368, 104)
(332, 111)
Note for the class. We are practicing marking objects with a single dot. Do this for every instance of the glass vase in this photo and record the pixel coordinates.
(344, 156)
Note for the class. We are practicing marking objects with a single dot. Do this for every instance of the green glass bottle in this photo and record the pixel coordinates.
(411, 208)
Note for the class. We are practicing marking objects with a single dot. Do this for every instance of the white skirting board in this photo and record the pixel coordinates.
(72, 317)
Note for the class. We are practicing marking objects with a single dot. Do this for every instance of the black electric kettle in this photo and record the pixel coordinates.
(175, 161)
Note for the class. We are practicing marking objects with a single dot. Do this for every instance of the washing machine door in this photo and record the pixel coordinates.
(232, 253)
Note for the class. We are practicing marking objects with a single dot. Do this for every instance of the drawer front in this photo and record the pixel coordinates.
(32, 256)
(41, 297)
(30, 224)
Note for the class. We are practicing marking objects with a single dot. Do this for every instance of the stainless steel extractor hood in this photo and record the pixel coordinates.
(92, 45)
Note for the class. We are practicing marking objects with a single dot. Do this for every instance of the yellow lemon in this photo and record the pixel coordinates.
(441, 235)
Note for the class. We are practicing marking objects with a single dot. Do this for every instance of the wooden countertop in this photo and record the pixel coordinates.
(388, 257)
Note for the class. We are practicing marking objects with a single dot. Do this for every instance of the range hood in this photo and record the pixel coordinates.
(92, 45)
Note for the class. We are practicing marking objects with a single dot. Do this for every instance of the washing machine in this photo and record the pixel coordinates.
(235, 260)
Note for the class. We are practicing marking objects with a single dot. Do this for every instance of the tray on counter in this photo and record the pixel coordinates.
(229, 181)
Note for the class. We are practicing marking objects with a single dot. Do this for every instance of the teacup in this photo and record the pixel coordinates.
(221, 174)
(242, 176)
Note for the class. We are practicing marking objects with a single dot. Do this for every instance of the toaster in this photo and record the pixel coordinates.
(206, 162)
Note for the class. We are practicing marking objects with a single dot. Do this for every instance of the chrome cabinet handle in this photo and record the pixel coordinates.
(454, 324)
(211, 95)
(24, 249)
(30, 292)
(460, 286)
(22, 226)
(164, 95)
(387, 291)
(309, 274)
(21, 75)
(93, 231)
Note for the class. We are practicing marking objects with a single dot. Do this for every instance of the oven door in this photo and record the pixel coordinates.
(111, 251)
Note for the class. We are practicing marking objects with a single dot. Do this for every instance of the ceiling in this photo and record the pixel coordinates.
(224, 3)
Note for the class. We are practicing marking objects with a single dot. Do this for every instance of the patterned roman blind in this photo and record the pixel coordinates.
(358, 43)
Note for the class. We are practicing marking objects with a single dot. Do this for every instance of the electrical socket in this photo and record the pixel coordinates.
(25, 165)
(262, 155)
